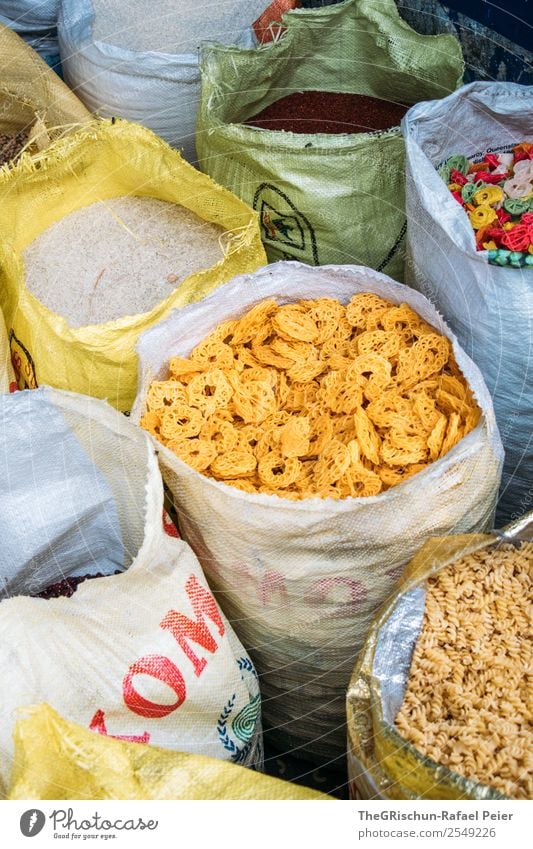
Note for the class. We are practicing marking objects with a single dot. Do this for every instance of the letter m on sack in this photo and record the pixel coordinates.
(185, 630)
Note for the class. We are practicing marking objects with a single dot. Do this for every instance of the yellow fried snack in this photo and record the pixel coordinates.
(195, 452)
(180, 421)
(209, 391)
(238, 463)
(294, 322)
(294, 439)
(164, 393)
(314, 399)
(151, 421)
(276, 471)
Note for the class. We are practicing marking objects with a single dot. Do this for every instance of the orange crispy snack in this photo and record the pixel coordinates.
(314, 399)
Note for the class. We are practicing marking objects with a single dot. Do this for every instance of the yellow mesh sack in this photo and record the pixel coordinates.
(104, 159)
(7, 377)
(56, 759)
(31, 93)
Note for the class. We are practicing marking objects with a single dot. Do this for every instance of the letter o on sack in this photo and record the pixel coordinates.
(159, 667)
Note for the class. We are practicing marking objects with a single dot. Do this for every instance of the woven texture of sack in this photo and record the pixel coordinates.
(30, 89)
(55, 759)
(340, 198)
(301, 580)
(34, 20)
(490, 309)
(135, 76)
(7, 375)
(145, 654)
(104, 160)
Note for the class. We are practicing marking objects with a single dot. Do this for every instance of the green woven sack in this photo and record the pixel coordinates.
(322, 198)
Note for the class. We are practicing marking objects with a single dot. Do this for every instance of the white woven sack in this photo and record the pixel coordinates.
(157, 89)
(34, 20)
(7, 375)
(490, 309)
(143, 655)
(300, 580)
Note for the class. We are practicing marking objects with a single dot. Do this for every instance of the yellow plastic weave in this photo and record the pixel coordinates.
(104, 159)
(30, 89)
(56, 759)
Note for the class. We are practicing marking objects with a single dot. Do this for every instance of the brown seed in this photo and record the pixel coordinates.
(329, 112)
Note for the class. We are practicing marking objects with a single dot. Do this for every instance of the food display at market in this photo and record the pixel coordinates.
(467, 704)
(497, 194)
(315, 398)
(266, 271)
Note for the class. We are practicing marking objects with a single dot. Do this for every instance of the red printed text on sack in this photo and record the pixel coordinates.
(185, 631)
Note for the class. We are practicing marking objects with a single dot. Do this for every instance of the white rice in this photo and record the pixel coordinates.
(172, 26)
(118, 257)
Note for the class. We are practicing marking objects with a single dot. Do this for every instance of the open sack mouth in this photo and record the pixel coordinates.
(67, 512)
(314, 398)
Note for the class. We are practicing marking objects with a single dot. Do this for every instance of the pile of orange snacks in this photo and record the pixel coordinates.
(468, 700)
(314, 399)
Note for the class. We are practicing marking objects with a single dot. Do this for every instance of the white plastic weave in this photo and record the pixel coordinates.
(110, 58)
(300, 580)
(490, 309)
(144, 654)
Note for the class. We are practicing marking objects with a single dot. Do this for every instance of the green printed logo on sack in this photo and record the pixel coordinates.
(23, 364)
(244, 723)
(282, 224)
(322, 197)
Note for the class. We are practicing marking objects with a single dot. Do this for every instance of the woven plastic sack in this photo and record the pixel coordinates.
(490, 309)
(104, 160)
(322, 198)
(35, 21)
(144, 655)
(133, 75)
(30, 90)
(7, 375)
(300, 580)
(56, 759)
(381, 763)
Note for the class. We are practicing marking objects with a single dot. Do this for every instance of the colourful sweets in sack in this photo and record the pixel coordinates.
(497, 195)
(314, 399)
(468, 698)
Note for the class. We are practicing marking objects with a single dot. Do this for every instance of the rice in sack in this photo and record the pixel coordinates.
(301, 574)
(139, 61)
(108, 245)
(439, 705)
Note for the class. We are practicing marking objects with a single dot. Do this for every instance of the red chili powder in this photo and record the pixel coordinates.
(329, 112)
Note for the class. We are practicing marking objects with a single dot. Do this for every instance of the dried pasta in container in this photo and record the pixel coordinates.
(439, 705)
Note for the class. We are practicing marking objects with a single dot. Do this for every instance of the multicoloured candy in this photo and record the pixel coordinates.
(497, 195)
